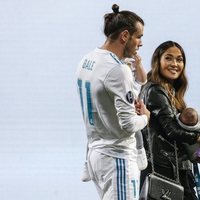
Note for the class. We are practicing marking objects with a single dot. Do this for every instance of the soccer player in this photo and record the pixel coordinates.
(108, 104)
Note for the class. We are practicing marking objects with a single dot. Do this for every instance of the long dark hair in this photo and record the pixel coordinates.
(118, 21)
(179, 85)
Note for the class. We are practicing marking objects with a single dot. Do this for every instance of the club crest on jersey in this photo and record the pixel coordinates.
(129, 97)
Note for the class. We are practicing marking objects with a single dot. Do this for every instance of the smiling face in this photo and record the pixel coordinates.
(171, 64)
(168, 70)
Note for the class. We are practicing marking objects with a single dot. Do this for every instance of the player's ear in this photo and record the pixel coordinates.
(124, 36)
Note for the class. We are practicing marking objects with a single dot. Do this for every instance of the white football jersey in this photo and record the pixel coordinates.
(105, 86)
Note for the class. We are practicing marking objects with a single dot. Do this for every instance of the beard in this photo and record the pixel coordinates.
(127, 54)
(128, 50)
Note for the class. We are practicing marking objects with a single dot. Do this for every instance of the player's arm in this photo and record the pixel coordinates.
(118, 84)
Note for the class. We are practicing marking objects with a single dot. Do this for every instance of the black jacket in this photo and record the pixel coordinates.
(164, 128)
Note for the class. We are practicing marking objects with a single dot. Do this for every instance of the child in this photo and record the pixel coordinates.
(189, 120)
(189, 117)
(140, 79)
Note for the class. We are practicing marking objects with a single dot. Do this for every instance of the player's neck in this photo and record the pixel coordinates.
(114, 47)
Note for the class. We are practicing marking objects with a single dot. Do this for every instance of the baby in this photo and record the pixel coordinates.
(189, 119)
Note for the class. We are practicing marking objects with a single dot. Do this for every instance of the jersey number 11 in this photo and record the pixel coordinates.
(88, 99)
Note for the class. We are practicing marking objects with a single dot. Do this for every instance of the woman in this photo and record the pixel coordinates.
(164, 97)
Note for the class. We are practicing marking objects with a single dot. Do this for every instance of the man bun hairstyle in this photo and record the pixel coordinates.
(115, 8)
(118, 21)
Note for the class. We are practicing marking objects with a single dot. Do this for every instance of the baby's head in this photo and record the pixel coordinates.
(189, 117)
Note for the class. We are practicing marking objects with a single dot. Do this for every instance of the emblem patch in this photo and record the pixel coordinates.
(129, 97)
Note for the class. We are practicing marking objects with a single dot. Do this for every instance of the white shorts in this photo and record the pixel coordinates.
(114, 178)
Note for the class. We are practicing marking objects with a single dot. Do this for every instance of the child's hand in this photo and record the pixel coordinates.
(141, 109)
(138, 61)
